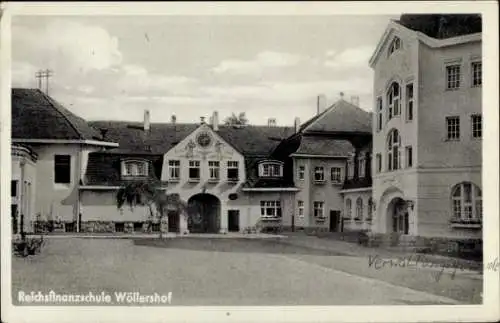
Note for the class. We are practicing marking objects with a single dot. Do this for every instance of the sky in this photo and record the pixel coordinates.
(115, 67)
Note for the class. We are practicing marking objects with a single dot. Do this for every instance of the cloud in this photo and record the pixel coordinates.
(266, 59)
(23, 74)
(350, 57)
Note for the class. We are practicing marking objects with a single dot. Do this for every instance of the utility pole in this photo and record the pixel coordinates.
(44, 74)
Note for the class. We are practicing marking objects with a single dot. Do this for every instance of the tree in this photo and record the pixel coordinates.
(234, 119)
(150, 195)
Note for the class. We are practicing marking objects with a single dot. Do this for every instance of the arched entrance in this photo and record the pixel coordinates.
(204, 213)
(398, 216)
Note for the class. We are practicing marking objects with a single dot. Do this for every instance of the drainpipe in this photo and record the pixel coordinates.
(22, 197)
(77, 184)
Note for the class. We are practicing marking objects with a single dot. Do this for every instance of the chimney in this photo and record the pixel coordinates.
(173, 119)
(103, 132)
(215, 121)
(355, 100)
(271, 122)
(297, 124)
(320, 103)
(147, 122)
(202, 120)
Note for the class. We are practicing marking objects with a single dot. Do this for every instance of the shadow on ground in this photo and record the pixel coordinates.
(234, 245)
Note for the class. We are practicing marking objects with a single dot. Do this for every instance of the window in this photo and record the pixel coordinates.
(409, 102)
(466, 202)
(62, 169)
(409, 156)
(393, 143)
(319, 209)
(319, 174)
(453, 128)
(359, 209)
(370, 210)
(348, 208)
(361, 167)
(194, 170)
(477, 128)
(174, 169)
(350, 168)
(271, 170)
(336, 175)
(379, 114)
(214, 170)
(452, 77)
(137, 226)
(232, 170)
(270, 209)
(395, 45)
(13, 188)
(301, 172)
(300, 205)
(378, 160)
(135, 168)
(393, 100)
(477, 73)
(119, 227)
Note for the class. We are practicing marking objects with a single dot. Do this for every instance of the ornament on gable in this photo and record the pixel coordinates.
(190, 148)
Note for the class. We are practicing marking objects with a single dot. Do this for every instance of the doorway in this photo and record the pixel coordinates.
(399, 216)
(233, 220)
(173, 221)
(334, 220)
(204, 213)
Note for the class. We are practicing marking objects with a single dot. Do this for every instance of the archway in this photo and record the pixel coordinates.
(398, 217)
(204, 213)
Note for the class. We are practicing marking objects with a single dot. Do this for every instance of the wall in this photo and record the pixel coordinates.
(253, 213)
(352, 224)
(26, 189)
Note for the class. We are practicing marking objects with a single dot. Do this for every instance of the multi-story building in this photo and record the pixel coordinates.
(427, 128)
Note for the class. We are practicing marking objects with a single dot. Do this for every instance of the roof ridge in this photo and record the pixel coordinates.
(51, 102)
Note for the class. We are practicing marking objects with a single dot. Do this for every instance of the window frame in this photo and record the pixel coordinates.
(474, 122)
(475, 203)
(378, 162)
(359, 209)
(394, 46)
(456, 81)
(338, 172)
(369, 213)
(266, 205)
(348, 208)
(410, 101)
(272, 169)
(174, 168)
(361, 164)
(393, 152)
(134, 170)
(474, 82)
(233, 166)
(14, 188)
(300, 208)
(319, 170)
(319, 209)
(457, 130)
(213, 170)
(194, 165)
(67, 176)
(409, 156)
(391, 99)
(301, 172)
(380, 119)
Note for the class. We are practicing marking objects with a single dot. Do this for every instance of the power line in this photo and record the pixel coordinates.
(41, 74)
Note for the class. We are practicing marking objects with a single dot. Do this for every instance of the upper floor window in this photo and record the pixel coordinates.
(453, 128)
(319, 209)
(62, 169)
(319, 174)
(477, 128)
(466, 202)
(359, 209)
(135, 168)
(409, 102)
(194, 170)
(393, 100)
(393, 156)
(369, 210)
(174, 169)
(379, 113)
(214, 170)
(301, 172)
(452, 77)
(477, 73)
(336, 175)
(270, 169)
(378, 163)
(270, 209)
(394, 46)
(361, 167)
(409, 156)
(233, 170)
(350, 168)
(13, 188)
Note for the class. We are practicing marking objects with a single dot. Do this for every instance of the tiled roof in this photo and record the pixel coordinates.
(342, 117)
(37, 116)
(249, 140)
(104, 168)
(442, 26)
(324, 146)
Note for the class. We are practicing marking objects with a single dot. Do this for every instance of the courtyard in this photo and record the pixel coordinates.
(237, 271)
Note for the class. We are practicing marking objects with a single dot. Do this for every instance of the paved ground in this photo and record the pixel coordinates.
(221, 272)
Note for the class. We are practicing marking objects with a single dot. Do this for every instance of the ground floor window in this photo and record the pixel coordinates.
(119, 227)
(319, 209)
(155, 227)
(300, 205)
(466, 202)
(70, 227)
(400, 218)
(270, 209)
(137, 226)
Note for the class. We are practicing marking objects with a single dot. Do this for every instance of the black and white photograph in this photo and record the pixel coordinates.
(214, 160)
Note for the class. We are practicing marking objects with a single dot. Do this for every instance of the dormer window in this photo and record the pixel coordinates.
(135, 168)
(271, 169)
(395, 46)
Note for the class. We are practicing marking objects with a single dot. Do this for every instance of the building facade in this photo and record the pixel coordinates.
(427, 133)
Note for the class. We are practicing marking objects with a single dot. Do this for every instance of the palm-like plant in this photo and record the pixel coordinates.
(149, 194)
(234, 119)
